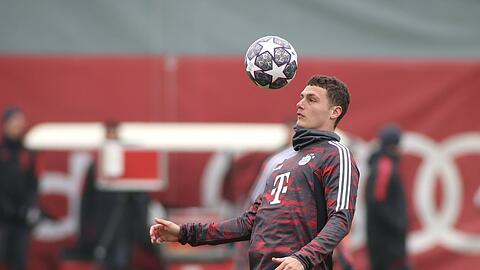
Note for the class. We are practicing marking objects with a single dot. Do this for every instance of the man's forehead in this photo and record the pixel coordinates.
(314, 90)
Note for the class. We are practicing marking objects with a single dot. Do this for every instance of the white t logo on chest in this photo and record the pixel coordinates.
(279, 186)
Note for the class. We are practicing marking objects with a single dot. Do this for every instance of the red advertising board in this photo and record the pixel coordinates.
(435, 102)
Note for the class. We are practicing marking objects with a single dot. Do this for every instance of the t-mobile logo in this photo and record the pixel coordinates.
(279, 186)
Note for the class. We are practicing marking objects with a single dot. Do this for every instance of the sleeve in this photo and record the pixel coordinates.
(232, 230)
(340, 176)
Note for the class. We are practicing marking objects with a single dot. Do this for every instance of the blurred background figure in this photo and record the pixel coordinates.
(386, 205)
(112, 222)
(18, 191)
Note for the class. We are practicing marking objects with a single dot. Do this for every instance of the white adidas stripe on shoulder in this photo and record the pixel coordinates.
(345, 177)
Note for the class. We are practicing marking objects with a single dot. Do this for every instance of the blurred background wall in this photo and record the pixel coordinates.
(415, 63)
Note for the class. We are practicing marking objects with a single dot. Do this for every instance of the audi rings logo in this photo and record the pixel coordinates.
(437, 164)
(438, 226)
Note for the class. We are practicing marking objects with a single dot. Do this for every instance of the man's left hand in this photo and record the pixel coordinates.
(288, 263)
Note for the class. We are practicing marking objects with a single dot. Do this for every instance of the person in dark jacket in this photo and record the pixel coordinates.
(112, 222)
(386, 206)
(18, 191)
(309, 199)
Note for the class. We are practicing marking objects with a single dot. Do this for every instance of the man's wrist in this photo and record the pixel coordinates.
(304, 263)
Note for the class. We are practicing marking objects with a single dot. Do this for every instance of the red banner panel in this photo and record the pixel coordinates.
(436, 102)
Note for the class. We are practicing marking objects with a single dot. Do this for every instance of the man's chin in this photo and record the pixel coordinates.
(300, 123)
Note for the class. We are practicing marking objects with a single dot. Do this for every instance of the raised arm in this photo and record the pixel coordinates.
(235, 229)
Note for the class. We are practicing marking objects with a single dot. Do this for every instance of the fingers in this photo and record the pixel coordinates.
(164, 230)
(162, 221)
(153, 234)
(281, 262)
(288, 263)
(156, 236)
(154, 228)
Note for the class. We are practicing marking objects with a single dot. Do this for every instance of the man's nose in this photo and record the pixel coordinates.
(300, 104)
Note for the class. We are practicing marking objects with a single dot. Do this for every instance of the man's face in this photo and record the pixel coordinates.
(314, 110)
(111, 134)
(15, 126)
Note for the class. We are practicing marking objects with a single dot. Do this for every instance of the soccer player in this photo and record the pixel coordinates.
(309, 200)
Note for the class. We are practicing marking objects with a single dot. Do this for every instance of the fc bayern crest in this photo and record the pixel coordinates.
(271, 62)
(306, 159)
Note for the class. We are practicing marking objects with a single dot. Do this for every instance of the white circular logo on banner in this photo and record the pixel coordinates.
(437, 164)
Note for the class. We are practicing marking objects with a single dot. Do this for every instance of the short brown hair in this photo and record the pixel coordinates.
(337, 92)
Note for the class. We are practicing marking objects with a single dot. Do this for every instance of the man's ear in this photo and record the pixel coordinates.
(336, 112)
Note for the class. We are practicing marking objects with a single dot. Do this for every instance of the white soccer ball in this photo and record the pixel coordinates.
(271, 62)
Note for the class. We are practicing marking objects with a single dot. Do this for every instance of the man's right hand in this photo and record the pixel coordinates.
(164, 231)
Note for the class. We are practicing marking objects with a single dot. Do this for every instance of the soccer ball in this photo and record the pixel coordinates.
(271, 62)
